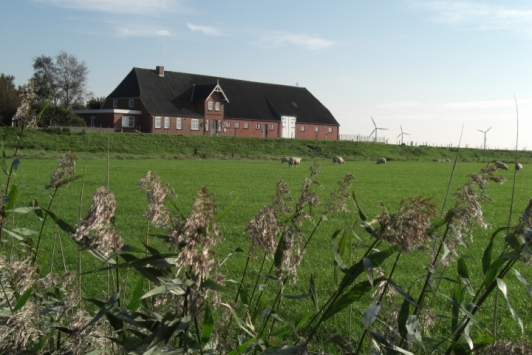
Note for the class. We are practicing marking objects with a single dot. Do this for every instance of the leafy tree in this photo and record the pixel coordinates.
(64, 79)
(9, 98)
(95, 103)
(60, 116)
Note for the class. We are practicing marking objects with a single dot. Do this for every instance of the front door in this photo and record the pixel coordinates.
(213, 127)
(288, 124)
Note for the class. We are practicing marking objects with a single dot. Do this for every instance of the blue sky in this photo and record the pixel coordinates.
(428, 66)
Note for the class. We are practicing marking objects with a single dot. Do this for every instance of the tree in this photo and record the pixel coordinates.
(95, 103)
(60, 116)
(63, 80)
(9, 98)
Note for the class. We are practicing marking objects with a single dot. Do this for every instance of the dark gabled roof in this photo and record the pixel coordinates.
(176, 93)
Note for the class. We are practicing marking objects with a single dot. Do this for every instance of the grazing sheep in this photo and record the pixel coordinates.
(294, 161)
(381, 160)
(518, 166)
(338, 160)
(501, 165)
(284, 160)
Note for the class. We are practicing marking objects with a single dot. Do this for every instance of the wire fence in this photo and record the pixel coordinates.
(361, 138)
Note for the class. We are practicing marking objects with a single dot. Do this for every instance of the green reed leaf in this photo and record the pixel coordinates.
(23, 299)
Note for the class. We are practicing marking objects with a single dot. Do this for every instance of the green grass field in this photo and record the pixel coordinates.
(253, 183)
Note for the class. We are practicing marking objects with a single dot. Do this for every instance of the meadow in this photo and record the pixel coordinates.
(245, 186)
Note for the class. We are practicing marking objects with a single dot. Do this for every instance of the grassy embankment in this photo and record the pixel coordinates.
(46, 144)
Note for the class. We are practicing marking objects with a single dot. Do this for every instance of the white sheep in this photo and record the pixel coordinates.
(518, 166)
(294, 161)
(501, 165)
(284, 160)
(381, 160)
(338, 160)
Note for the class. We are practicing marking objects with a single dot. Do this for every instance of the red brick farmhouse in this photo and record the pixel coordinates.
(155, 101)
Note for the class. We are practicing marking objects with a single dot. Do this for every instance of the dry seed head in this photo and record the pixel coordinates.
(95, 231)
(340, 195)
(196, 236)
(65, 172)
(263, 230)
(292, 254)
(408, 227)
(507, 347)
(156, 193)
(21, 329)
(25, 115)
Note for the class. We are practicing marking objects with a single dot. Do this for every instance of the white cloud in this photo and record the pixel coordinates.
(141, 7)
(139, 31)
(206, 30)
(310, 42)
(482, 16)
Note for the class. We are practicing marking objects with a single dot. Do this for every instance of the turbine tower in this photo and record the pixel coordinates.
(375, 130)
(486, 131)
(402, 133)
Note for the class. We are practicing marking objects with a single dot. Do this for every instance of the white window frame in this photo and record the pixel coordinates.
(330, 130)
(131, 103)
(93, 121)
(194, 124)
(246, 125)
(228, 124)
(207, 125)
(178, 123)
(115, 103)
(257, 125)
(167, 123)
(272, 126)
(158, 122)
(209, 106)
(316, 129)
(237, 124)
(302, 128)
(217, 106)
(128, 121)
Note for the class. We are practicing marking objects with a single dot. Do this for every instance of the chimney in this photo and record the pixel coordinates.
(160, 70)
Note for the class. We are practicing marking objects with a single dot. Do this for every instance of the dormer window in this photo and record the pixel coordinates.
(131, 103)
(115, 103)
(217, 106)
(209, 106)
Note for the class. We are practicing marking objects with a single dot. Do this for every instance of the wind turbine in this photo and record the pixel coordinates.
(402, 133)
(375, 130)
(486, 131)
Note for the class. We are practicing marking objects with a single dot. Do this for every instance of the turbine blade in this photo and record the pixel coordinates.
(480, 131)
(489, 129)
(399, 134)
(373, 122)
(407, 134)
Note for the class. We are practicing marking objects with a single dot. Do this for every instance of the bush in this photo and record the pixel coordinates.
(60, 116)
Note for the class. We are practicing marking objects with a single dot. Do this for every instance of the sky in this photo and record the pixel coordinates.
(438, 70)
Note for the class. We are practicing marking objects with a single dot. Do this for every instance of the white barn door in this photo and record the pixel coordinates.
(288, 127)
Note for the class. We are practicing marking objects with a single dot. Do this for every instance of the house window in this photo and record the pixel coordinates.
(228, 124)
(246, 125)
(93, 121)
(209, 105)
(257, 126)
(179, 123)
(115, 103)
(131, 103)
(207, 125)
(167, 123)
(128, 121)
(329, 130)
(316, 129)
(194, 124)
(217, 107)
(157, 122)
(302, 128)
(271, 127)
(237, 124)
